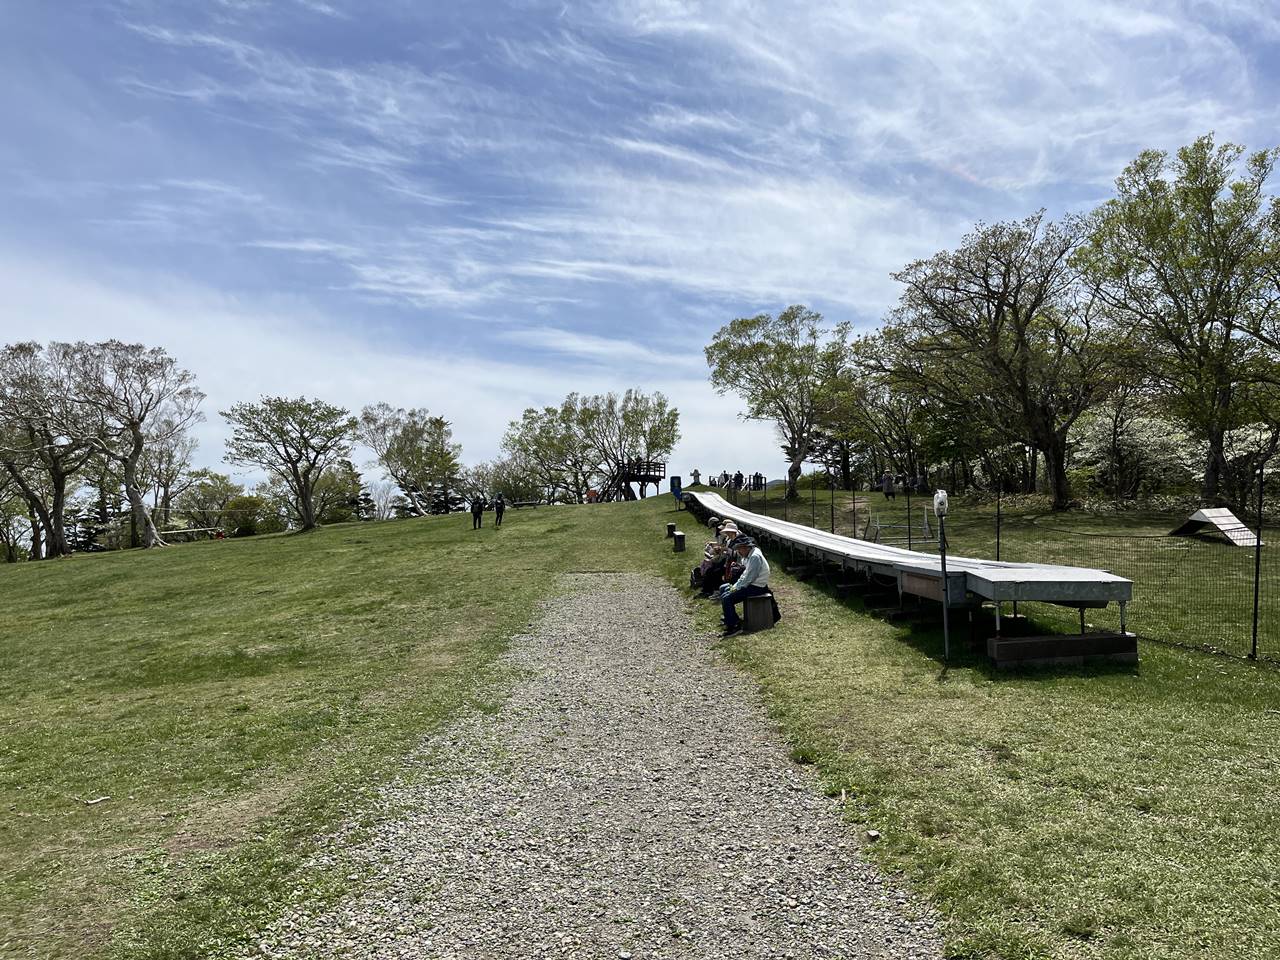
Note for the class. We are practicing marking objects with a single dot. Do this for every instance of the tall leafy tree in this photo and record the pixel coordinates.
(783, 368)
(338, 494)
(416, 449)
(549, 447)
(1001, 331)
(166, 468)
(123, 398)
(204, 502)
(618, 430)
(43, 444)
(1188, 253)
(13, 520)
(295, 439)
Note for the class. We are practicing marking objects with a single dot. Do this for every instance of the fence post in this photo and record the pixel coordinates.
(813, 499)
(907, 491)
(748, 495)
(1257, 563)
(833, 504)
(999, 487)
(946, 589)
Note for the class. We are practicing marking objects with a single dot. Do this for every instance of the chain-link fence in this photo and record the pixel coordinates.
(1196, 590)
(1188, 590)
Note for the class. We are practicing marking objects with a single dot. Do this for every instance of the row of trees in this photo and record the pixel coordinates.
(115, 412)
(1135, 348)
(95, 451)
(563, 453)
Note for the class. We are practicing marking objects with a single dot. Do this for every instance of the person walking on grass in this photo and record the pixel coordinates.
(499, 508)
(754, 582)
(477, 512)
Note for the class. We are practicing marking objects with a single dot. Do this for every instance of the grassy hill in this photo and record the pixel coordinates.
(236, 700)
(232, 699)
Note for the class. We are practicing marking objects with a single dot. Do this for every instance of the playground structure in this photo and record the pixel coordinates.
(970, 584)
(643, 472)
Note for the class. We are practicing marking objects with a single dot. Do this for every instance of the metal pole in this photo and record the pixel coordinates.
(833, 505)
(785, 491)
(1257, 564)
(998, 488)
(748, 495)
(813, 500)
(946, 591)
(907, 491)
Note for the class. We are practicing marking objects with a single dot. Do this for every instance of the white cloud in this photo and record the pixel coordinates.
(805, 157)
(614, 351)
(241, 350)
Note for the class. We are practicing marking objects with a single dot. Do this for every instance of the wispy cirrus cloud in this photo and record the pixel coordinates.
(590, 184)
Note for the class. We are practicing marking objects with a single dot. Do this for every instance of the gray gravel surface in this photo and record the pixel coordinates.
(628, 799)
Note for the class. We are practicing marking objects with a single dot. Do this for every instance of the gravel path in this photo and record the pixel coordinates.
(629, 799)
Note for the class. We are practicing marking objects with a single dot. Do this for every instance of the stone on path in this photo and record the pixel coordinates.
(629, 799)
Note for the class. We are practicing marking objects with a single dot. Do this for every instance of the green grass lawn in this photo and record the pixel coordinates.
(237, 700)
(1117, 813)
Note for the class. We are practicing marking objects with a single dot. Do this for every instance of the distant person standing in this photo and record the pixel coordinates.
(737, 480)
(499, 508)
(477, 512)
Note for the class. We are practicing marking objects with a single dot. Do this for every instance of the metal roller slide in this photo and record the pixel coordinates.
(921, 574)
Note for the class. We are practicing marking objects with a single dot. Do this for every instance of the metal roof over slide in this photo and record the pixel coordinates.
(921, 573)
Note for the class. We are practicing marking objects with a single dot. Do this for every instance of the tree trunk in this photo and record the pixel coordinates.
(307, 504)
(57, 545)
(846, 468)
(146, 530)
(1055, 465)
(166, 506)
(1214, 466)
(793, 477)
(141, 516)
(37, 542)
(43, 543)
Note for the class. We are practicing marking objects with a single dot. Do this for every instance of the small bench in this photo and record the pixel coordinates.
(757, 613)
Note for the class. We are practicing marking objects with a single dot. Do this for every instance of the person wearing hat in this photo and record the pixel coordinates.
(753, 582)
(716, 556)
(710, 553)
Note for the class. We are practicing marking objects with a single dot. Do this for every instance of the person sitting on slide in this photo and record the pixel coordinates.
(753, 582)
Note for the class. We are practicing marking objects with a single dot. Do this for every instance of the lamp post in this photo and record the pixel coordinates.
(940, 511)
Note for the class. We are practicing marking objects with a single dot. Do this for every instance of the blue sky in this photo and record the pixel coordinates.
(477, 207)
